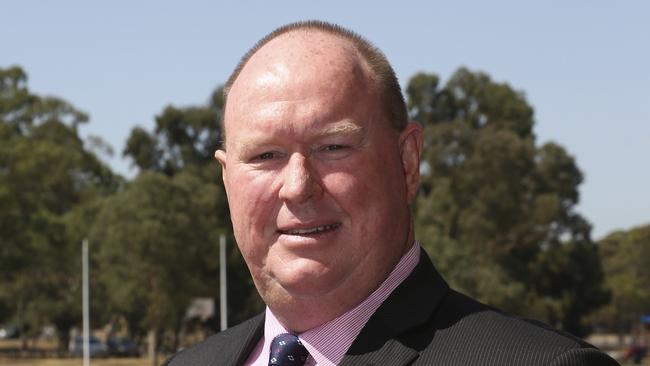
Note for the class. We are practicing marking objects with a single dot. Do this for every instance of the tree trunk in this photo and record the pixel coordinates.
(177, 331)
(22, 328)
(63, 342)
(152, 345)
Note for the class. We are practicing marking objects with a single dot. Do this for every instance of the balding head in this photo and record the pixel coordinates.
(301, 65)
(379, 73)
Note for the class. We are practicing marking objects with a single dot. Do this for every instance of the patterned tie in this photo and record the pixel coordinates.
(287, 350)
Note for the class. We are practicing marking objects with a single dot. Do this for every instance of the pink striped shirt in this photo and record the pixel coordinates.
(328, 342)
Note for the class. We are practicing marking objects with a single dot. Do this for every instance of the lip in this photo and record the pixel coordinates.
(308, 230)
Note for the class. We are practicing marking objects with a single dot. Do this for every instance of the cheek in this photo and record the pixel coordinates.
(347, 189)
(370, 175)
(252, 204)
(368, 192)
(250, 195)
(357, 192)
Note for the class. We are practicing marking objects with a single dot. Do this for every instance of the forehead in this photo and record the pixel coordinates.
(297, 66)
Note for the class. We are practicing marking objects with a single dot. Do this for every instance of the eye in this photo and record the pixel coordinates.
(334, 147)
(334, 151)
(266, 156)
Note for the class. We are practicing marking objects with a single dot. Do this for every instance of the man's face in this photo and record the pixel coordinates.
(318, 183)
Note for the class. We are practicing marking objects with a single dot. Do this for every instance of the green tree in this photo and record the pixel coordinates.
(45, 172)
(154, 240)
(182, 138)
(178, 153)
(497, 212)
(626, 261)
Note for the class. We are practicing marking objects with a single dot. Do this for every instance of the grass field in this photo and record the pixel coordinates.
(50, 346)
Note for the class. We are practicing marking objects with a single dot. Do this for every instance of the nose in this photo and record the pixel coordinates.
(300, 182)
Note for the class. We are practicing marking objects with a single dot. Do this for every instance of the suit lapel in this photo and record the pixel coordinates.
(379, 349)
(244, 342)
(391, 338)
(392, 353)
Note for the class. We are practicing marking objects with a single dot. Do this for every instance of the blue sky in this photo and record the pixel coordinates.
(583, 65)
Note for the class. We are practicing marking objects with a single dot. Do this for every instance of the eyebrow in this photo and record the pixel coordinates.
(341, 127)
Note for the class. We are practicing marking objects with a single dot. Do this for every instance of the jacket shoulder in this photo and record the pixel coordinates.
(473, 333)
(223, 348)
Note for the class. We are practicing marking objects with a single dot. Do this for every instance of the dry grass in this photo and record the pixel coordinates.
(9, 345)
(45, 345)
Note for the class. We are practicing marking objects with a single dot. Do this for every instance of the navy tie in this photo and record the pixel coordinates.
(287, 350)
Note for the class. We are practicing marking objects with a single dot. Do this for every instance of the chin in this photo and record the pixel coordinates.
(307, 282)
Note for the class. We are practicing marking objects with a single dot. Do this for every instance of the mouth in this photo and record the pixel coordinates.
(310, 230)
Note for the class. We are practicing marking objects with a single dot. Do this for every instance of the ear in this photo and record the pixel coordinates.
(220, 156)
(410, 143)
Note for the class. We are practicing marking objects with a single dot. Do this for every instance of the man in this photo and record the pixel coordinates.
(321, 166)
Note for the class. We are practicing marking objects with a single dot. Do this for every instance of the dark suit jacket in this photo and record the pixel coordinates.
(423, 322)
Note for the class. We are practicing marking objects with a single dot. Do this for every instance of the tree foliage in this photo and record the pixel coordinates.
(45, 173)
(182, 138)
(155, 239)
(626, 261)
(169, 220)
(496, 211)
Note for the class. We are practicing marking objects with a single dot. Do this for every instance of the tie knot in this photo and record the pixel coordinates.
(287, 350)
